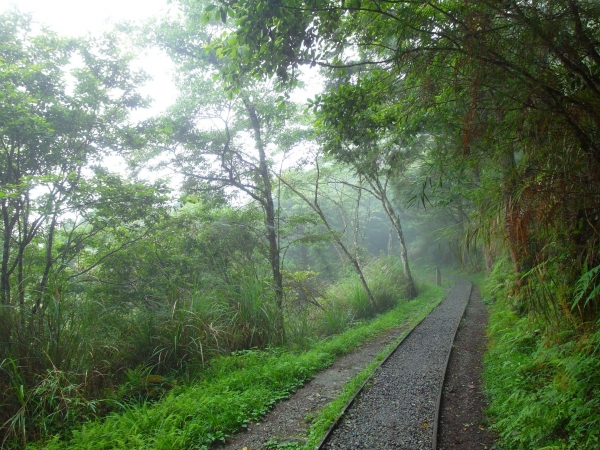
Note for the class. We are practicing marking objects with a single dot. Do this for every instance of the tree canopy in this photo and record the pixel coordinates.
(64, 108)
(505, 87)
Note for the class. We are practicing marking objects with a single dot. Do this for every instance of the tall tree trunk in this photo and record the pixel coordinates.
(355, 264)
(411, 288)
(22, 339)
(270, 221)
(488, 254)
(464, 243)
(357, 225)
(7, 237)
(510, 210)
(48, 265)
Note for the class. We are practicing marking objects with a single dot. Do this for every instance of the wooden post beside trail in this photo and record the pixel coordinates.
(438, 276)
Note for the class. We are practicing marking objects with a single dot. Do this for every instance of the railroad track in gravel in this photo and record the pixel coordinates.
(398, 407)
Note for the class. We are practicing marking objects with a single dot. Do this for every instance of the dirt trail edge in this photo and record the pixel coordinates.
(462, 424)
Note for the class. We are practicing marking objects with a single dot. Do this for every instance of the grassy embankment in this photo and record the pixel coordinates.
(542, 378)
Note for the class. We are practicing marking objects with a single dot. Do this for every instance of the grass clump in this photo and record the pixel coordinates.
(233, 391)
(348, 300)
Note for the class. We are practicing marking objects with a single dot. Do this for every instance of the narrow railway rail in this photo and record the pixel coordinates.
(398, 407)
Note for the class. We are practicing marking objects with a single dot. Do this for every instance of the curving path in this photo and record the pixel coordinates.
(398, 410)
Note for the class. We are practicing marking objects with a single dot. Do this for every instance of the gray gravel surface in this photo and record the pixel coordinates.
(397, 410)
(287, 423)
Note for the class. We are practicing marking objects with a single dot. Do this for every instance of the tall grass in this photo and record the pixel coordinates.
(81, 362)
(251, 311)
(386, 281)
(232, 391)
(92, 357)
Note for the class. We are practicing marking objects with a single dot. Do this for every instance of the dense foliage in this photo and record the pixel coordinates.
(497, 106)
(509, 92)
(483, 116)
(544, 385)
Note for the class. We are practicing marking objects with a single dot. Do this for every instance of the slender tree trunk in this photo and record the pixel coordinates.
(463, 240)
(6, 316)
(270, 222)
(23, 241)
(357, 225)
(7, 236)
(411, 288)
(488, 255)
(48, 265)
(22, 338)
(21, 286)
(510, 212)
(314, 205)
(355, 265)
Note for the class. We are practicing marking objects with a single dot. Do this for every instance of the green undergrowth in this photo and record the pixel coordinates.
(233, 391)
(544, 389)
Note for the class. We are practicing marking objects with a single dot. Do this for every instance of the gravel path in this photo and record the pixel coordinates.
(397, 411)
(287, 423)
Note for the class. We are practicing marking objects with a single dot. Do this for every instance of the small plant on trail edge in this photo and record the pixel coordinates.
(274, 444)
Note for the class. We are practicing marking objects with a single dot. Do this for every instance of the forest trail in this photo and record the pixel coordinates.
(415, 369)
(397, 410)
(287, 421)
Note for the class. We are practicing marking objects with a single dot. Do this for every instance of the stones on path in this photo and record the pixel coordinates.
(397, 410)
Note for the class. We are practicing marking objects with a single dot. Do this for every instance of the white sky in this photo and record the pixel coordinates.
(77, 17)
(80, 17)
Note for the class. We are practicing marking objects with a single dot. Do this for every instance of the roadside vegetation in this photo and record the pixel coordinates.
(541, 375)
(232, 390)
(245, 220)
